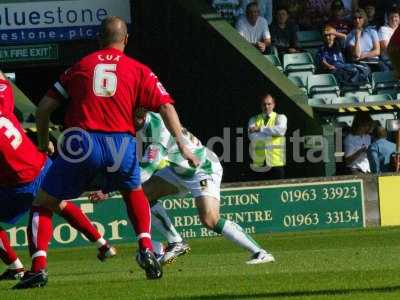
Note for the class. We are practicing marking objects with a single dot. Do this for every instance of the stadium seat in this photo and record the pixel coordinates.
(384, 81)
(275, 61)
(393, 93)
(359, 94)
(309, 39)
(298, 62)
(329, 98)
(322, 83)
(347, 100)
(348, 120)
(318, 101)
(383, 118)
(299, 81)
(367, 88)
(378, 98)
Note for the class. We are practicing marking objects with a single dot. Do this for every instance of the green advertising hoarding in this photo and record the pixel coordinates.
(262, 209)
(28, 53)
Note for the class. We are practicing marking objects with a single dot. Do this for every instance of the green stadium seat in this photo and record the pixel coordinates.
(303, 75)
(383, 118)
(299, 81)
(348, 120)
(322, 83)
(358, 94)
(309, 39)
(313, 52)
(327, 97)
(347, 100)
(275, 61)
(384, 81)
(367, 87)
(317, 102)
(298, 62)
(378, 98)
(392, 92)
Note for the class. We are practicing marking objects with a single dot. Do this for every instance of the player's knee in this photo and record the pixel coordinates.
(46, 201)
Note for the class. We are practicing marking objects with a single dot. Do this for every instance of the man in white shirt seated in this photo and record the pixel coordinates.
(254, 28)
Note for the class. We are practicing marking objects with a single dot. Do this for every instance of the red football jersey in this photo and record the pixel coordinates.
(104, 89)
(20, 160)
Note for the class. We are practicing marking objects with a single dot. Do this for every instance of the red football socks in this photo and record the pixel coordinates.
(77, 219)
(39, 235)
(7, 254)
(139, 213)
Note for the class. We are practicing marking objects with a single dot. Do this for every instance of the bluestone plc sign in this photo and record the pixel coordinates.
(45, 21)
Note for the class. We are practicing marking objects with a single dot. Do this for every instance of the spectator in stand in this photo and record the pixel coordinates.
(265, 6)
(380, 151)
(254, 28)
(284, 32)
(330, 56)
(363, 42)
(331, 59)
(316, 13)
(382, 8)
(295, 9)
(386, 32)
(338, 20)
(350, 6)
(370, 10)
(388, 6)
(228, 9)
(356, 144)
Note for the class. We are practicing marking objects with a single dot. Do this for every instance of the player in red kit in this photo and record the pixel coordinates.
(22, 170)
(101, 93)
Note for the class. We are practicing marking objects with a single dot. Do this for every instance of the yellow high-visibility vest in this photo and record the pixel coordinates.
(268, 151)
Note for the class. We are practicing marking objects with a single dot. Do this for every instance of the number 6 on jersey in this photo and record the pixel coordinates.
(105, 80)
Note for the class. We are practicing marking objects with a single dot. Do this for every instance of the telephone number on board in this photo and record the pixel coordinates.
(328, 218)
(312, 194)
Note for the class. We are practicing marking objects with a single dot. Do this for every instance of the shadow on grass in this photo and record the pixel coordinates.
(292, 294)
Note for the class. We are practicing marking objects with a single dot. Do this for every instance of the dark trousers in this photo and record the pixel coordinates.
(271, 174)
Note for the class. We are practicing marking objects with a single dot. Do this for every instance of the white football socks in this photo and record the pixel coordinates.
(236, 234)
(162, 222)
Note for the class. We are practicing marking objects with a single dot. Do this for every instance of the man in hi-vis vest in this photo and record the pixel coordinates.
(267, 140)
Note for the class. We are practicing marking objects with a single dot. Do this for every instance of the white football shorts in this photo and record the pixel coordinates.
(201, 184)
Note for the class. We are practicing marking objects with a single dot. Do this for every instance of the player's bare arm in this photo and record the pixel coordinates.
(2, 76)
(45, 108)
(171, 120)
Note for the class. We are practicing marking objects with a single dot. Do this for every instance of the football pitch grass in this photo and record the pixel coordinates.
(345, 264)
